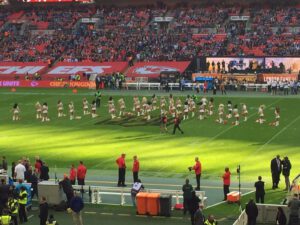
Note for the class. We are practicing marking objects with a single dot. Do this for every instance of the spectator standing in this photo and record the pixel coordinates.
(43, 211)
(20, 171)
(77, 205)
(252, 212)
(187, 189)
(73, 174)
(198, 169)
(260, 190)
(193, 206)
(226, 182)
(13, 167)
(34, 184)
(4, 163)
(4, 193)
(280, 217)
(81, 173)
(276, 171)
(65, 184)
(294, 206)
(135, 169)
(198, 216)
(22, 204)
(286, 168)
(44, 172)
(122, 170)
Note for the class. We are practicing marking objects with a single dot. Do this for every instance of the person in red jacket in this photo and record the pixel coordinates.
(81, 172)
(122, 170)
(177, 122)
(198, 170)
(73, 174)
(135, 169)
(226, 182)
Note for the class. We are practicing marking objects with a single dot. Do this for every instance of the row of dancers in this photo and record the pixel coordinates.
(167, 106)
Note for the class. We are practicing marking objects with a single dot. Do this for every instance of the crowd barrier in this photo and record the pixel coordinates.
(97, 192)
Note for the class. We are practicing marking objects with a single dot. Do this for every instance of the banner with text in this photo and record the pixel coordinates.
(66, 68)
(47, 84)
(153, 69)
(20, 68)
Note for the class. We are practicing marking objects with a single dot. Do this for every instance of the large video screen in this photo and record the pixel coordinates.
(290, 63)
(234, 63)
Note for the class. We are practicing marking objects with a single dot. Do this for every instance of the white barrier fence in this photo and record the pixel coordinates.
(188, 86)
(97, 192)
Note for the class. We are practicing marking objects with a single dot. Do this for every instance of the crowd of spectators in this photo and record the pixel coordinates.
(123, 34)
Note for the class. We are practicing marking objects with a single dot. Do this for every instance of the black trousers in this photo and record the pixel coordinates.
(176, 126)
(22, 213)
(34, 192)
(294, 220)
(260, 197)
(98, 102)
(226, 191)
(275, 179)
(121, 180)
(135, 176)
(43, 221)
(73, 182)
(198, 181)
(14, 218)
(252, 221)
(69, 197)
(185, 205)
(80, 181)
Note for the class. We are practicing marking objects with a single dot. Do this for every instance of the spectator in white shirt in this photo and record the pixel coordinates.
(20, 171)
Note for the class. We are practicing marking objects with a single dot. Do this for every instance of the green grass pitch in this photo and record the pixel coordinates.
(99, 141)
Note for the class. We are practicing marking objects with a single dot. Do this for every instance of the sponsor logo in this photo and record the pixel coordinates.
(34, 83)
(71, 70)
(20, 70)
(9, 83)
(150, 70)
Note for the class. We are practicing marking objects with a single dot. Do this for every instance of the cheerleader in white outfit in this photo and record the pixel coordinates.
(186, 111)
(261, 115)
(229, 108)
(94, 108)
(16, 112)
(277, 117)
(45, 117)
(236, 115)
(60, 109)
(245, 112)
(71, 110)
(144, 105)
(201, 111)
(192, 107)
(211, 107)
(38, 110)
(221, 114)
(154, 102)
(122, 107)
(85, 106)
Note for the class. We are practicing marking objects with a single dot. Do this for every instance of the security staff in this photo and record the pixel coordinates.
(13, 207)
(98, 96)
(5, 218)
(198, 169)
(22, 205)
(210, 220)
(122, 170)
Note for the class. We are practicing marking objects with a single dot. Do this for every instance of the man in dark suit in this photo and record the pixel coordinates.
(286, 168)
(276, 171)
(260, 190)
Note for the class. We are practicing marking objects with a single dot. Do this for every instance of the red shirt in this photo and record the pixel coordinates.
(136, 166)
(226, 178)
(121, 162)
(73, 174)
(198, 168)
(81, 172)
(38, 166)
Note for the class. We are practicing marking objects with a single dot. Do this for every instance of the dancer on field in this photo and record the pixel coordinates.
(38, 110)
(16, 112)
(277, 117)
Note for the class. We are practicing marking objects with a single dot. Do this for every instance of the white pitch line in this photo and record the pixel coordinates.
(29, 217)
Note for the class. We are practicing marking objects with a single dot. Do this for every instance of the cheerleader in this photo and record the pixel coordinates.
(16, 112)
(229, 108)
(135, 99)
(148, 111)
(154, 102)
(221, 114)
(38, 109)
(236, 115)
(111, 101)
(245, 112)
(85, 106)
(94, 108)
(192, 107)
(261, 115)
(122, 106)
(137, 107)
(172, 110)
(201, 111)
(163, 102)
(204, 101)
(171, 100)
(178, 105)
(112, 110)
(211, 107)
(277, 117)
(186, 111)
(45, 117)
(71, 110)
(60, 109)
(144, 105)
